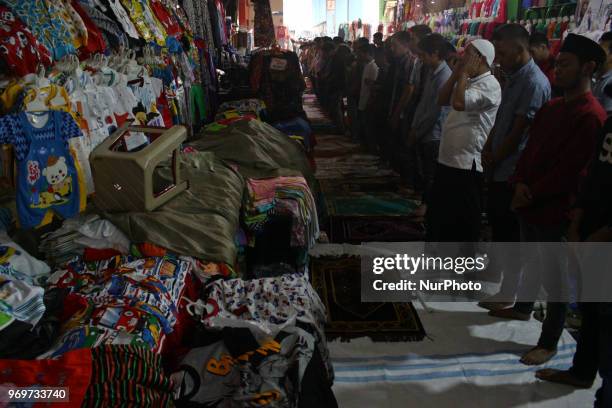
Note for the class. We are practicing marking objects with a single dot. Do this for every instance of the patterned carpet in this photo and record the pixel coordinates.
(361, 202)
(338, 284)
(361, 195)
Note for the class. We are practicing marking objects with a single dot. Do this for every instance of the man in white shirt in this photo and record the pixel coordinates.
(370, 72)
(474, 96)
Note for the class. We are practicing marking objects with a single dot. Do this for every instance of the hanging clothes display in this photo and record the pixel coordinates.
(46, 22)
(265, 35)
(276, 78)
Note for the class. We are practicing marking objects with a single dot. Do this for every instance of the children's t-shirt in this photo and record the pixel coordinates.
(73, 22)
(122, 17)
(45, 21)
(19, 48)
(47, 176)
(136, 14)
(156, 27)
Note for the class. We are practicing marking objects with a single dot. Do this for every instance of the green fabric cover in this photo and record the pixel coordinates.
(201, 222)
(258, 150)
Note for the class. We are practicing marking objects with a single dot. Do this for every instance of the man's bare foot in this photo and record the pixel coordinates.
(562, 377)
(537, 356)
(510, 314)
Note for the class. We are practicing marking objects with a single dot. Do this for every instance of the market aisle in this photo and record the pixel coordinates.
(361, 197)
(467, 359)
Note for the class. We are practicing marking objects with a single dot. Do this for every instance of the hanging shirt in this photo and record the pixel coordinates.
(167, 20)
(95, 40)
(19, 48)
(136, 14)
(74, 23)
(125, 19)
(114, 36)
(45, 21)
(429, 116)
(562, 141)
(524, 93)
(465, 133)
(47, 176)
(54, 97)
(156, 27)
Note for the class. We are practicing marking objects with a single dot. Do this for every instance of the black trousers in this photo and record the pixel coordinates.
(505, 227)
(428, 161)
(595, 340)
(454, 208)
(504, 222)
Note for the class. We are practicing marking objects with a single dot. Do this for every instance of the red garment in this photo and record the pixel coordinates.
(164, 109)
(502, 13)
(487, 8)
(92, 254)
(548, 68)
(170, 24)
(562, 140)
(19, 48)
(478, 9)
(174, 347)
(488, 34)
(95, 39)
(482, 28)
(73, 370)
(151, 250)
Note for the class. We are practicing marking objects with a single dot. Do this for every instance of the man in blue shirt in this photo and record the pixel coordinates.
(526, 89)
(429, 116)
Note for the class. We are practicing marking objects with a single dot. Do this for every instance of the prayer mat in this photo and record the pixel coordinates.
(386, 184)
(370, 205)
(355, 230)
(338, 283)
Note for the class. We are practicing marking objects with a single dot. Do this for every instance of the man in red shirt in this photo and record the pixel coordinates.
(563, 139)
(540, 52)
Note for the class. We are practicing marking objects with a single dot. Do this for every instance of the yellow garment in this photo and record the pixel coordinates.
(157, 28)
(136, 13)
(10, 95)
(55, 98)
(79, 38)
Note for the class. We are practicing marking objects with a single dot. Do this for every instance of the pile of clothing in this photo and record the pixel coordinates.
(28, 322)
(283, 196)
(85, 235)
(104, 376)
(121, 300)
(264, 346)
(254, 107)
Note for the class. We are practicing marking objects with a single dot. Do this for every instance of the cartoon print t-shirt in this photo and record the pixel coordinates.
(47, 175)
(19, 48)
